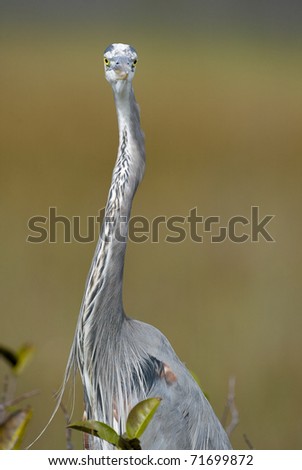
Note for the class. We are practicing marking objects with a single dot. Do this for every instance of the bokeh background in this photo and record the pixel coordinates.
(219, 85)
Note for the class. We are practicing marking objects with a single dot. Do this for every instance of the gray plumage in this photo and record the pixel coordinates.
(122, 361)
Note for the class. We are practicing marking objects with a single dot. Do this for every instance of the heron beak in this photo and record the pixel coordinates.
(121, 74)
(121, 69)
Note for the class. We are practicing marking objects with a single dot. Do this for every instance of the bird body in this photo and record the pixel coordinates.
(123, 361)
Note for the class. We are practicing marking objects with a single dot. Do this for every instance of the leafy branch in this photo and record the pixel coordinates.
(14, 420)
(137, 422)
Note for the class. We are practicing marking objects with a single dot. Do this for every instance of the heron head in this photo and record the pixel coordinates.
(119, 62)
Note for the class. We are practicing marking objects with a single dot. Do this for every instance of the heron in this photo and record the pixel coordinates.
(122, 360)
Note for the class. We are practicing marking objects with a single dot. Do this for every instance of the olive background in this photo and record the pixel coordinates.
(219, 87)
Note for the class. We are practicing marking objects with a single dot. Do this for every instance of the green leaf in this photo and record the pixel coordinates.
(18, 360)
(24, 356)
(9, 355)
(140, 416)
(98, 429)
(13, 428)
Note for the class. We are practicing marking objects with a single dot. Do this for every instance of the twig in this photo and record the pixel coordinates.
(68, 431)
(5, 388)
(86, 440)
(22, 397)
(4, 397)
(248, 442)
(231, 408)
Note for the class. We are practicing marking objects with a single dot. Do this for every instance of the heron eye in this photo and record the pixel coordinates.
(134, 62)
(106, 62)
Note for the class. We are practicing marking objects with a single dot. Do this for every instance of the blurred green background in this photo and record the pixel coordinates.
(219, 86)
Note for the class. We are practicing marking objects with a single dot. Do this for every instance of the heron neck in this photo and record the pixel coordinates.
(106, 275)
(127, 174)
(128, 116)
